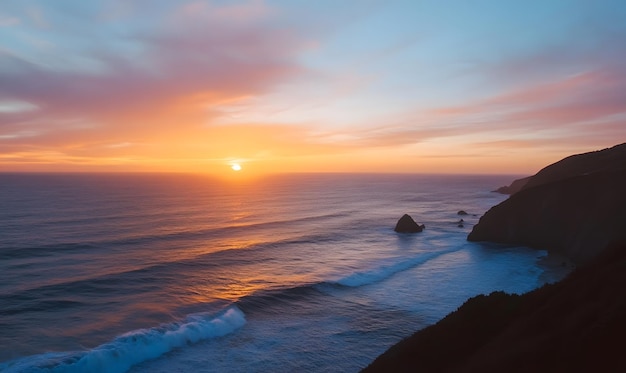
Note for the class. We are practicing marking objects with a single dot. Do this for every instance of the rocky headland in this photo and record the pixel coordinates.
(606, 160)
(575, 325)
(515, 186)
(576, 208)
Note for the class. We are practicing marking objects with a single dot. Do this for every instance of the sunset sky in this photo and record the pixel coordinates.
(309, 86)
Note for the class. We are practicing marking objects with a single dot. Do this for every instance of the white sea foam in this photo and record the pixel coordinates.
(385, 271)
(134, 347)
(301, 226)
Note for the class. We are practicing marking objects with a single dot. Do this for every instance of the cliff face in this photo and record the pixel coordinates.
(576, 217)
(575, 325)
(574, 207)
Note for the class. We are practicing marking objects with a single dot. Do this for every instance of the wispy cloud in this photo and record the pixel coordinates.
(194, 82)
(192, 59)
(7, 21)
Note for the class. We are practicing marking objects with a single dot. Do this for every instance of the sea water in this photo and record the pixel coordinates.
(162, 273)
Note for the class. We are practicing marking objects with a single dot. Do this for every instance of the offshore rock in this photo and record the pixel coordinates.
(406, 224)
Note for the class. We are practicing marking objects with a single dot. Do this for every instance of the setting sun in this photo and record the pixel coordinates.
(234, 175)
(194, 106)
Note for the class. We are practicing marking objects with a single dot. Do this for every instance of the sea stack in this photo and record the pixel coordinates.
(406, 224)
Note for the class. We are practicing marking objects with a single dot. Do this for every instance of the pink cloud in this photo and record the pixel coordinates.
(574, 110)
(242, 12)
(548, 91)
(183, 61)
(586, 97)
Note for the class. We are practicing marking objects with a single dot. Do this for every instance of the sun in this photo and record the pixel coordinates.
(236, 167)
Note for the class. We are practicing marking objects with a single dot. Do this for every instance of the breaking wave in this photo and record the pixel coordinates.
(134, 347)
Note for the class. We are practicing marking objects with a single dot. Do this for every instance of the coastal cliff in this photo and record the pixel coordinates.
(515, 186)
(577, 208)
(610, 159)
(574, 207)
(572, 326)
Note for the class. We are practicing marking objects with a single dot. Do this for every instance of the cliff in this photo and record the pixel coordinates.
(515, 186)
(610, 159)
(575, 325)
(574, 207)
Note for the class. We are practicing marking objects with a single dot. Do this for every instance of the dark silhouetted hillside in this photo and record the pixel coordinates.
(515, 186)
(610, 159)
(576, 325)
(576, 208)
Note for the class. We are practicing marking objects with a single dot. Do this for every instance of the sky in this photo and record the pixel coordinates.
(309, 86)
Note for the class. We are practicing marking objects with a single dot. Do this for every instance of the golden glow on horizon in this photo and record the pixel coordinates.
(191, 156)
(263, 148)
(292, 99)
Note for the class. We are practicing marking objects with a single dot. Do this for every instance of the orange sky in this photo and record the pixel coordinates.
(373, 86)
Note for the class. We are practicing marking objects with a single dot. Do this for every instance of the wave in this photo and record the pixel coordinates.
(138, 346)
(216, 231)
(137, 279)
(143, 239)
(134, 347)
(265, 300)
(268, 301)
(44, 250)
(383, 272)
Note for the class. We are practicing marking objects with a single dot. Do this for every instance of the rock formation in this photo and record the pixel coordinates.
(563, 210)
(515, 186)
(406, 224)
(610, 159)
(576, 207)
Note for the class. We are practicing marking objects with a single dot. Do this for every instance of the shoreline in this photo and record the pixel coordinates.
(575, 208)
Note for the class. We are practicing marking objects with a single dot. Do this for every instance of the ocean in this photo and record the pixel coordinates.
(186, 273)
